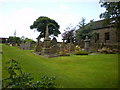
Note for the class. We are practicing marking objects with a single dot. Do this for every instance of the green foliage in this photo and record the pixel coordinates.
(40, 26)
(14, 40)
(46, 82)
(19, 79)
(84, 30)
(112, 11)
(81, 53)
(82, 23)
(28, 40)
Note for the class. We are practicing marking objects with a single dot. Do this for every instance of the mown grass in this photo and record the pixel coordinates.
(89, 71)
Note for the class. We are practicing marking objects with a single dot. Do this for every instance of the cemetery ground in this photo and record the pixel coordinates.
(74, 71)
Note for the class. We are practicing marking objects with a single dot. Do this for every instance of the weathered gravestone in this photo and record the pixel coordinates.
(39, 46)
(25, 46)
(72, 47)
(54, 46)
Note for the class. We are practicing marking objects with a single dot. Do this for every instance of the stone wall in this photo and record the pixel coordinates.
(112, 33)
(113, 41)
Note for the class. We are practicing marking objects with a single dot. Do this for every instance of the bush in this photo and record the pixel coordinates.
(19, 79)
(81, 53)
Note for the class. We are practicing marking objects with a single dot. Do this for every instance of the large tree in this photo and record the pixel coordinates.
(84, 29)
(112, 11)
(40, 25)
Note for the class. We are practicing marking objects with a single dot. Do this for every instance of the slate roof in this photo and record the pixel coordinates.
(101, 24)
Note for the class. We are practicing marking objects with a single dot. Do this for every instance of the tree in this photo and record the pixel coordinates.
(14, 40)
(84, 29)
(29, 40)
(79, 32)
(112, 11)
(69, 34)
(40, 25)
(82, 23)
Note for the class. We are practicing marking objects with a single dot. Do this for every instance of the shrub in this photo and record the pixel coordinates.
(46, 82)
(19, 79)
(81, 53)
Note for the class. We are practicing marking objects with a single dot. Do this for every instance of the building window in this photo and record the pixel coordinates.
(97, 37)
(107, 36)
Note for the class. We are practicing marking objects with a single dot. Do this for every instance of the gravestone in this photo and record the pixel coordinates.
(62, 46)
(39, 46)
(72, 47)
(86, 44)
(54, 41)
(55, 47)
(25, 46)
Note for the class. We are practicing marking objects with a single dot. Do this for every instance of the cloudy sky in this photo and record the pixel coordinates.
(20, 14)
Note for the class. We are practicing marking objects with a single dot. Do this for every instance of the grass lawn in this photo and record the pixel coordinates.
(91, 71)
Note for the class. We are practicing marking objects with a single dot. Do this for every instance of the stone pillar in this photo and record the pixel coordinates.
(46, 49)
(47, 33)
(47, 39)
(86, 44)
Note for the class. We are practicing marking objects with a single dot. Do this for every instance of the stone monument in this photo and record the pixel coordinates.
(25, 46)
(86, 44)
(46, 48)
(55, 47)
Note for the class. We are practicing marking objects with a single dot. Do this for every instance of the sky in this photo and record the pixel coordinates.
(18, 15)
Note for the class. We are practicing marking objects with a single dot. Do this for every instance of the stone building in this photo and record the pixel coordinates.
(106, 35)
(3, 40)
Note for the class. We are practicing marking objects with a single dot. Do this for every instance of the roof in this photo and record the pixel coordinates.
(101, 24)
(3, 38)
